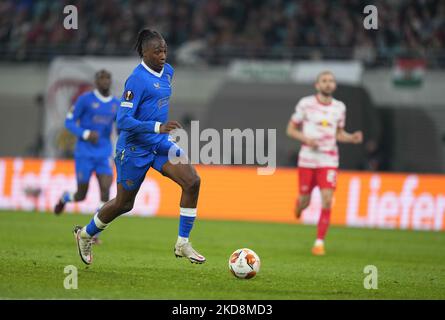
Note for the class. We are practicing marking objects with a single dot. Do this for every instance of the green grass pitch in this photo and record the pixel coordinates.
(136, 261)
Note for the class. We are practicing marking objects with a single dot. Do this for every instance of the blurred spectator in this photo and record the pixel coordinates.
(32, 29)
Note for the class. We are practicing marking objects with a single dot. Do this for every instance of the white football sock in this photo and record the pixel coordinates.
(319, 242)
(182, 240)
(101, 225)
(84, 233)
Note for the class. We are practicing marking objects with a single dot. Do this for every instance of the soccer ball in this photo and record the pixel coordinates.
(244, 263)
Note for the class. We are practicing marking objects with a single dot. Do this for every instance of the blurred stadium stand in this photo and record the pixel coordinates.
(221, 30)
(403, 126)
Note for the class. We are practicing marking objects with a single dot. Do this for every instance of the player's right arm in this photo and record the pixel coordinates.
(294, 128)
(131, 99)
(73, 116)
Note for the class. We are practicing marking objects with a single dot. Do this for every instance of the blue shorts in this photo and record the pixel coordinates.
(131, 168)
(85, 167)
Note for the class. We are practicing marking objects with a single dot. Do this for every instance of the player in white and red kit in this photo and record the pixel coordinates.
(318, 123)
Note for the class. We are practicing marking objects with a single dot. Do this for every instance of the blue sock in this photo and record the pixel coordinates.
(95, 226)
(67, 197)
(186, 219)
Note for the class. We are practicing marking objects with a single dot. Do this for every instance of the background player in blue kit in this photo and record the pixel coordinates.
(91, 121)
(143, 143)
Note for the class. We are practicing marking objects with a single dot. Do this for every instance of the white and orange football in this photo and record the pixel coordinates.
(244, 263)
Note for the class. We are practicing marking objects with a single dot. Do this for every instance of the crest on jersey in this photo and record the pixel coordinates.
(128, 95)
(95, 105)
(169, 79)
(163, 102)
(157, 85)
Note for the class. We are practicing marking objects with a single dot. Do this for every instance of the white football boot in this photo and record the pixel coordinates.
(84, 245)
(186, 250)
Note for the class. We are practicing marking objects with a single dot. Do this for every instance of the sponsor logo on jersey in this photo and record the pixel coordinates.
(126, 104)
(157, 85)
(103, 119)
(163, 102)
(324, 123)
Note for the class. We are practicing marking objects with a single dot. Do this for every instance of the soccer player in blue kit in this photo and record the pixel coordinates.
(143, 143)
(91, 121)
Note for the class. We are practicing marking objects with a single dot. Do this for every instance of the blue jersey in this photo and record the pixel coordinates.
(92, 112)
(144, 106)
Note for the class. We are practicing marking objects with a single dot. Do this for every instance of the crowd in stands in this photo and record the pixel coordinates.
(34, 29)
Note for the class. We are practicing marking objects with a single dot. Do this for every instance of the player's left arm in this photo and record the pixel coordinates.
(345, 137)
(73, 116)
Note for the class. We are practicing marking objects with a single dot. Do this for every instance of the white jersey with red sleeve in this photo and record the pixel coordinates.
(320, 122)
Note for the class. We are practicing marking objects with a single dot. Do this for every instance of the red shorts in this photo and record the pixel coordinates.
(324, 178)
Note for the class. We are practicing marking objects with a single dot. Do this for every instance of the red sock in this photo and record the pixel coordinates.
(323, 223)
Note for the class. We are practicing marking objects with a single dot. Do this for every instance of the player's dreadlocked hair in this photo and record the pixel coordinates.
(145, 35)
